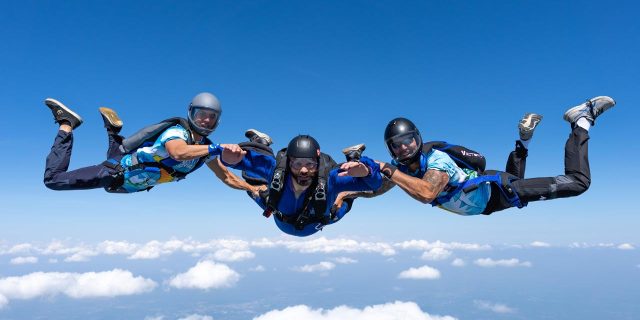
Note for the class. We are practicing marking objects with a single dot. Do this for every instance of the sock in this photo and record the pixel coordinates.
(583, 123)
(525, 143)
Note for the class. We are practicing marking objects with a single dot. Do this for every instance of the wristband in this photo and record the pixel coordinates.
(215, 149)
(388, 170)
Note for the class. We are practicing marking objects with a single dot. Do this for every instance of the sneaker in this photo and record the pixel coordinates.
(354, 153)
(590, 109)
(111, 120)
(527, 124)
(256, 136)
(62, 114)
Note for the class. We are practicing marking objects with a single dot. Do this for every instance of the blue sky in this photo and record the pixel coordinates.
(465, 72)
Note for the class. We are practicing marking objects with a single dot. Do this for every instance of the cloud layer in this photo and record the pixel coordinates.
(390, 311)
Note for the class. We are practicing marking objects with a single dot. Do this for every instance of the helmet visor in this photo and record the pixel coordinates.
(405, 146)
(204, 118)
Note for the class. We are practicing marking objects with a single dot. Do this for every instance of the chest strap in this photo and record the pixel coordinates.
(501, 179)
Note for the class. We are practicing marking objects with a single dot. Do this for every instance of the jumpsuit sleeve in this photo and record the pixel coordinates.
(255, 163)
(369, 183)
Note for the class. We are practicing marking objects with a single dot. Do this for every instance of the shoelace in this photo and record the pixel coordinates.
(592, 113)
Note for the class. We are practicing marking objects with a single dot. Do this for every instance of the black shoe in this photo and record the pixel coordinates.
(62, 114)
(258, 137)
(354, 153)
(111, 120)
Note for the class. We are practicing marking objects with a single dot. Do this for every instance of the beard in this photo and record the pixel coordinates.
(303, 180)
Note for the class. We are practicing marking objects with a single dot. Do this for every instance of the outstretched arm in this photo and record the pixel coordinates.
(261, 165)
(424, 190)
(230, 179)
(386, 186)
(179, 150)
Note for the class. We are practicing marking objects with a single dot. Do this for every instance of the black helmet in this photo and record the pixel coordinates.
(401, 127)
(303, 146)
(204, 103)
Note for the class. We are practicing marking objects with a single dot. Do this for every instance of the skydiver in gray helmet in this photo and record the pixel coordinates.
(163, 152)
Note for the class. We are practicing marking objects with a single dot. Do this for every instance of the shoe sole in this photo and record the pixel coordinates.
(63, 107)
(357, 147)
(111, 116)
(529, 118)
(259, 134)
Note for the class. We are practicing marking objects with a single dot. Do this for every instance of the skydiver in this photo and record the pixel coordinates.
(179, 147)
(435, 178)
(302, 181)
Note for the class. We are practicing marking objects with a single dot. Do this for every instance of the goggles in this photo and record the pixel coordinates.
(298, 163)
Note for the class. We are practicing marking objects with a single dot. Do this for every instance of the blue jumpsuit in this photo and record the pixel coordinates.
(264, 166)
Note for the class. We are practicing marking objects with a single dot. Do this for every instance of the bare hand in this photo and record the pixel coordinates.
(255, 191)
(232, 153)
(354, 169)
(338, 203)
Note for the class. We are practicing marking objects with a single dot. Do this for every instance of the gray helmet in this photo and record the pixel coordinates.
(204, 113)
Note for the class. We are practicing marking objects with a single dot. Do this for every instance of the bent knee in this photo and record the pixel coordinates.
(53, 185)
(572, 185)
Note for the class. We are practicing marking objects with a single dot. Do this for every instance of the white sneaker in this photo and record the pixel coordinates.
(256, 136)
(527, 124)
(590, 109)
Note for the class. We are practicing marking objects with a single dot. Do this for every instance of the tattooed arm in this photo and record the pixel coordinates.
(424, 190)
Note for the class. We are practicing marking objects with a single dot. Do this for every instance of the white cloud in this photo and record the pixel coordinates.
(495, 307)
(3, 301)
(319, 267)
(24, 260)
(390, 311)
(151, 250)
(424, 272)
(229, 255)
(196, 317)
(540, 244)
(458, 263)
(258, 268)
(626, 246)
(154, 318)
(264, 243)
(117, 247)
(426, 245)
(206, 275)
(436, 254)
(488, 262)
(584, 245)
(81, 256)
(21, 248)
(112, 283)
(108, 284)
(344, 260)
